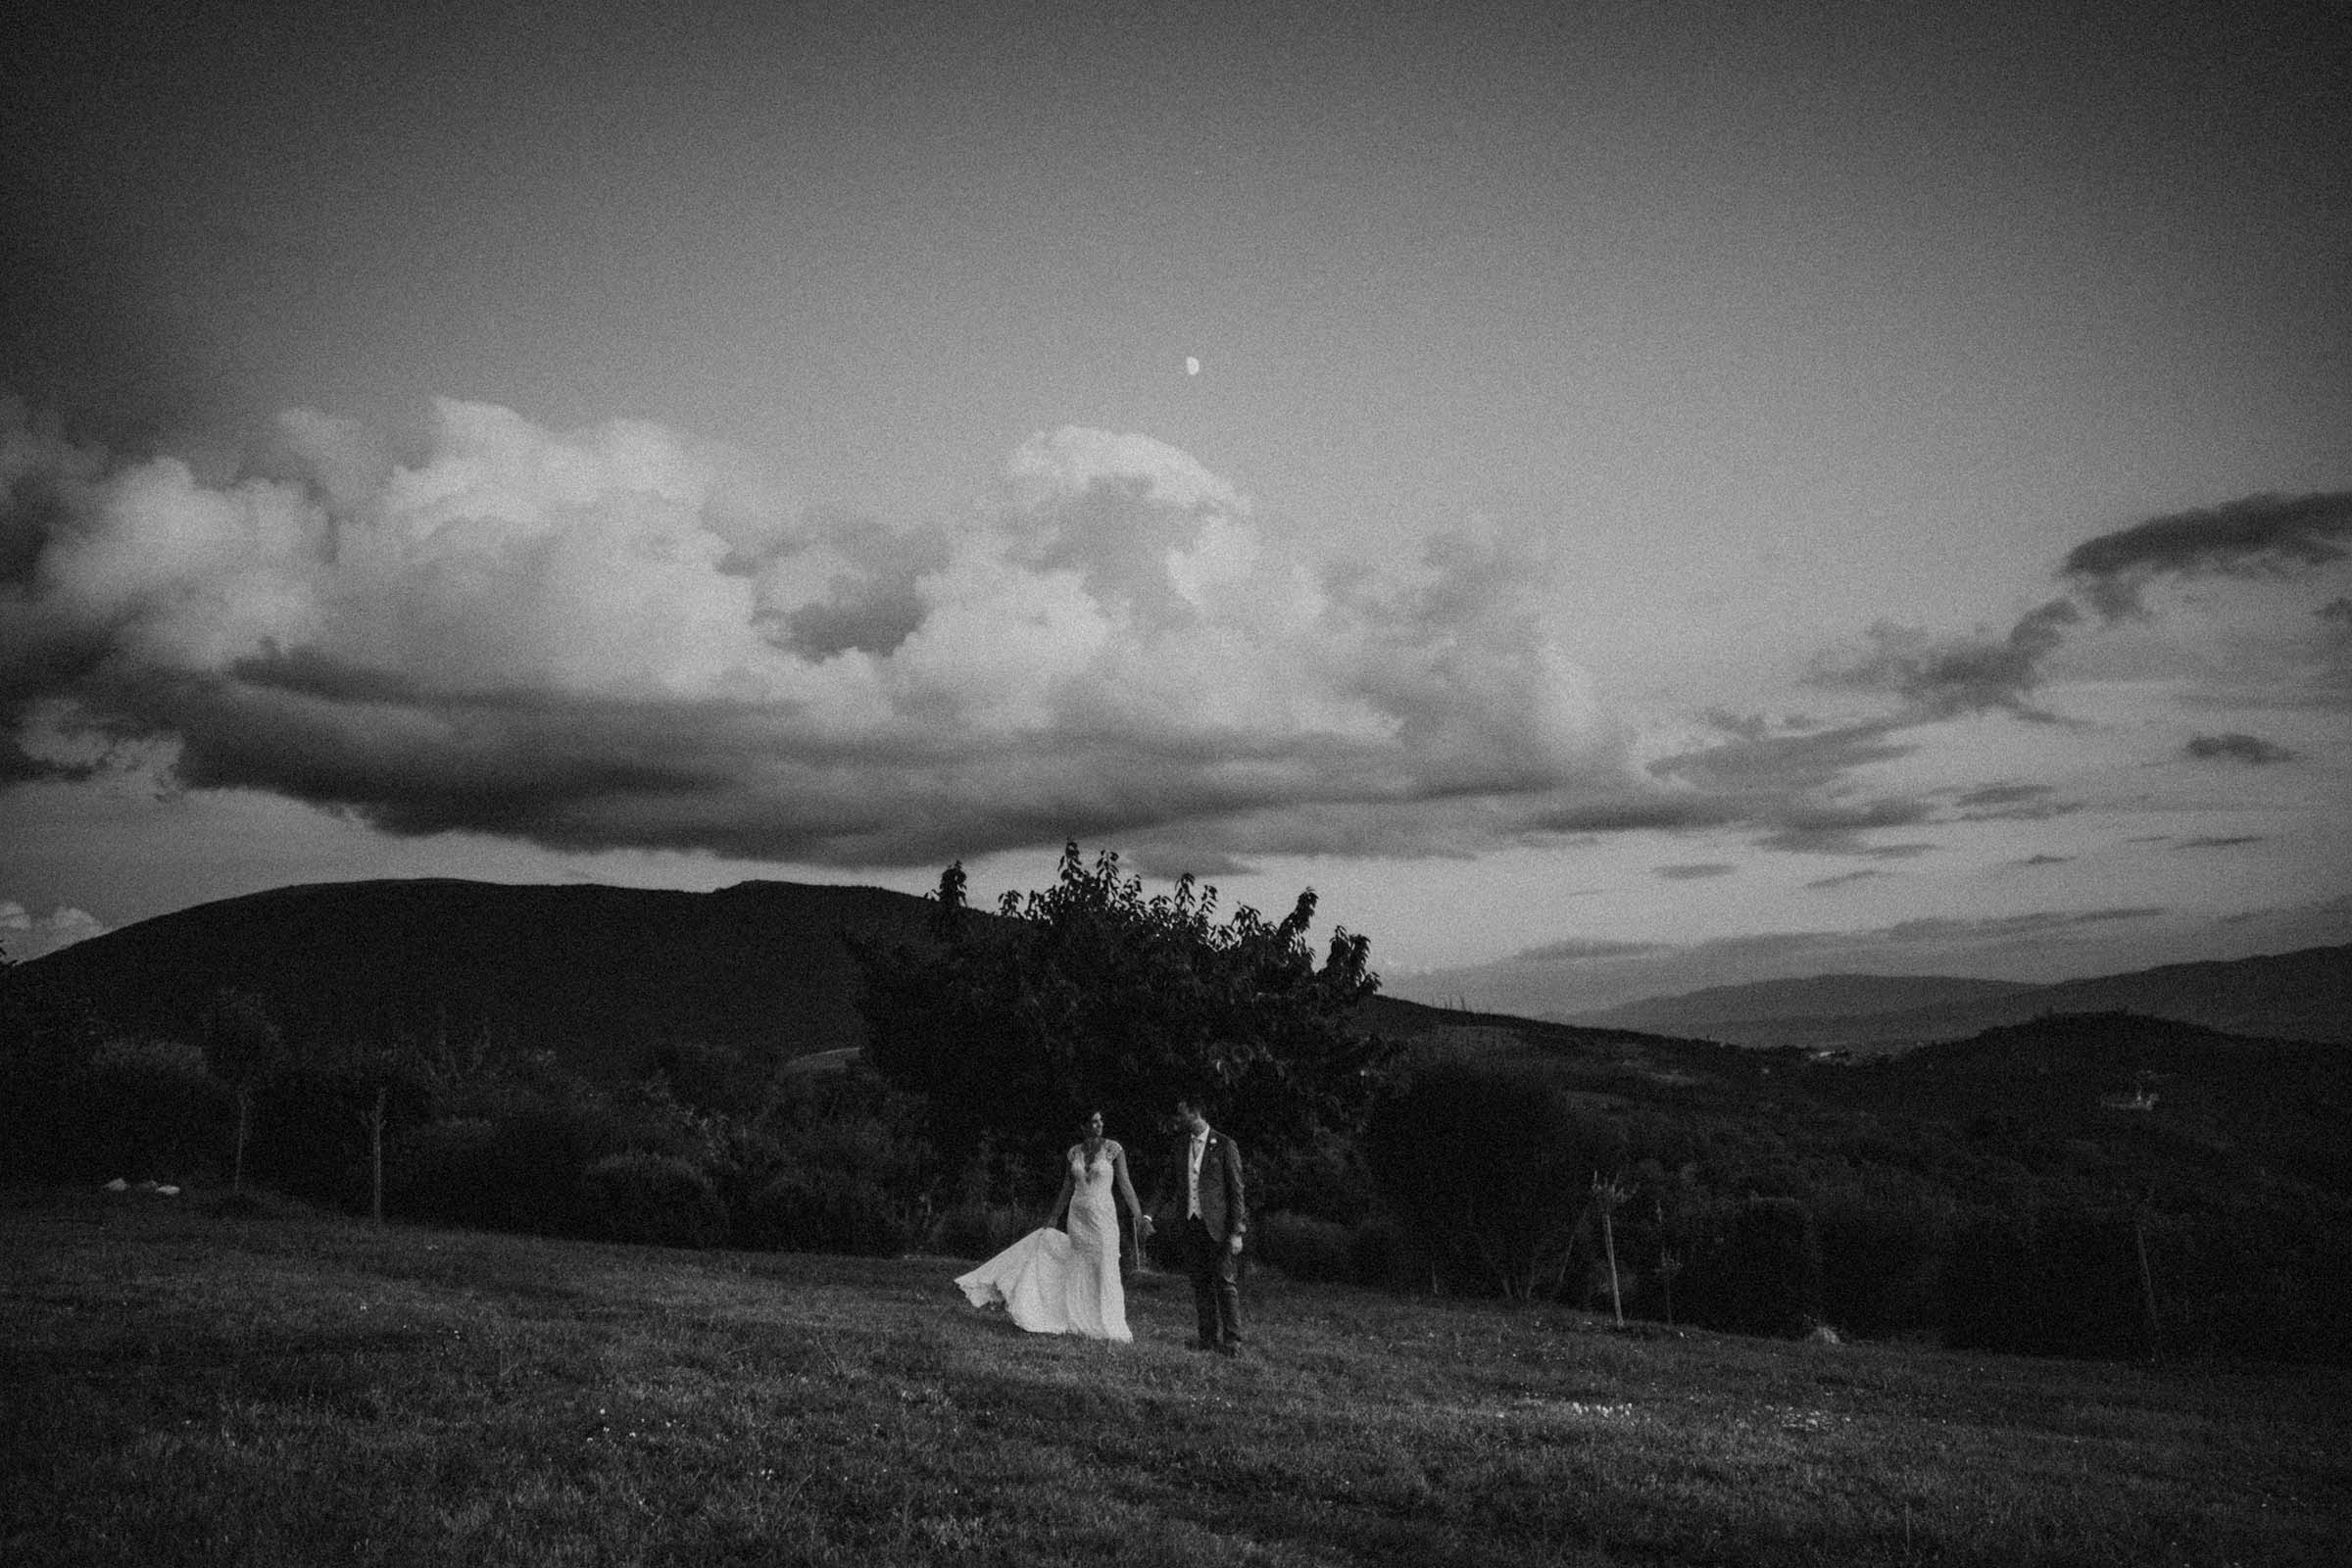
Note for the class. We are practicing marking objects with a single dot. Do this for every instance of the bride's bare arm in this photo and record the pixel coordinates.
(1126, 1188)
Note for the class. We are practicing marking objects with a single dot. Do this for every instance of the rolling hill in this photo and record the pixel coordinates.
(595, 974)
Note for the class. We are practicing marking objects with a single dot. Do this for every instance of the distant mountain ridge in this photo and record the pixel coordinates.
(2305, 995)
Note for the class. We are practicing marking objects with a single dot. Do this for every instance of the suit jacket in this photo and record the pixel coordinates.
(1224, 1205)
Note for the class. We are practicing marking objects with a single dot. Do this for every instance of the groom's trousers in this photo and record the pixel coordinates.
(1215, 1271)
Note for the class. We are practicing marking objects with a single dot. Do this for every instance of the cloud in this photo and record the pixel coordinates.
(2040, 859)
(1946, 678)
(2258, 536)
(30, 935)
(1792, 786)
(2250, 750)
(1583, 948)
(1844, 877)
(593, 639)
(1696, 870)
(1930, 679)
(2230, 842)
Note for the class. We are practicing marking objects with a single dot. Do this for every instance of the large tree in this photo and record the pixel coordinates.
(1088, 995)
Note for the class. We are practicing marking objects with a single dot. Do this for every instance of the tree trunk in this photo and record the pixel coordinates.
(237, 1167)
(376, 1156)
(2147, 1284)
(1609, 1240)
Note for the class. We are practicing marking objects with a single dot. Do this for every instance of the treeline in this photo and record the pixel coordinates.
(703, 1148)
(1974, 1233)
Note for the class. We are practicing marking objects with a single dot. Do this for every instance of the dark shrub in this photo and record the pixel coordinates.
(446, 1171)
(516, 1171)
(1325, 1177)
(978, 1230)
(310, 1136)
(2062, 1281)
(1382, 1253)
(1880, 1257)
(1489, 1170)
(1303, 1247)
(827, 1211)
(1988, 1286)
(835, 1162)
(540, 1154)
(2087, 1300)
(44, 1051)
(708, 1078)
(150, 1110)
(658, 1200)
(1766, 1277)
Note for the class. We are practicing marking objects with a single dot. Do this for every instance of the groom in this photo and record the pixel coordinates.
(1215, 1214)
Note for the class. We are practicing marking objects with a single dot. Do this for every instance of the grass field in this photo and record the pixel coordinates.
(187, 1384)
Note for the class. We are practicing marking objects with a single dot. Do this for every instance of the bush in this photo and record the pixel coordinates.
(539, 1154)
(977, 1229)
(518, 1171)
(1303, 1247)
(1488, 1169)
(151, 1110)
(2088, 1299)
(1988, 1286)
(443, 1171)
(657, 1200)
(827, 1211)
(831, 1164)
(1880, 1256)
(1766, 1277)
(2061, 1281)
(1381, 1253)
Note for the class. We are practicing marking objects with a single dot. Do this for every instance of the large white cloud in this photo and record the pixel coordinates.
(586, 639)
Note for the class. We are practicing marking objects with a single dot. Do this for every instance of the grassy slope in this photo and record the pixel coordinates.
(185, 1386)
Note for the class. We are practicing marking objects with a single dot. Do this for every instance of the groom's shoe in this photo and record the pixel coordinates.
(1230, 1347)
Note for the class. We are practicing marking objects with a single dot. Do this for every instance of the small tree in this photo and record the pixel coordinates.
(1091, 996)
(1606, 1196)
(245, 1049)
(384, 1084)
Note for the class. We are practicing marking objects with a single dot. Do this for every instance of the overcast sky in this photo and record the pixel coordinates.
(1616, 498)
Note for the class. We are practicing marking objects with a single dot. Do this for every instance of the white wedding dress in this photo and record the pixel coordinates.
(1052, 1283)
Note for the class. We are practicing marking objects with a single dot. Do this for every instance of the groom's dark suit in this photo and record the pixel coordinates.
(1207, 1239)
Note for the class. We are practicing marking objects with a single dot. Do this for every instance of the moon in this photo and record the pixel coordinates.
(1192, 365)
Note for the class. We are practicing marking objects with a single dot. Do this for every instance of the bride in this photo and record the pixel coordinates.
(1057, 1283)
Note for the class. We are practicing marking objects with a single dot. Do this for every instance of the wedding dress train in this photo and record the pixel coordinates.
(1052, 1283)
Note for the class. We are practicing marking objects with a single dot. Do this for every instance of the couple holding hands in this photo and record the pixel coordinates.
(1067, 1281)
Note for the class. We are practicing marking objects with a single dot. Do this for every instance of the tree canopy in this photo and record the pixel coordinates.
(1087, 995)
